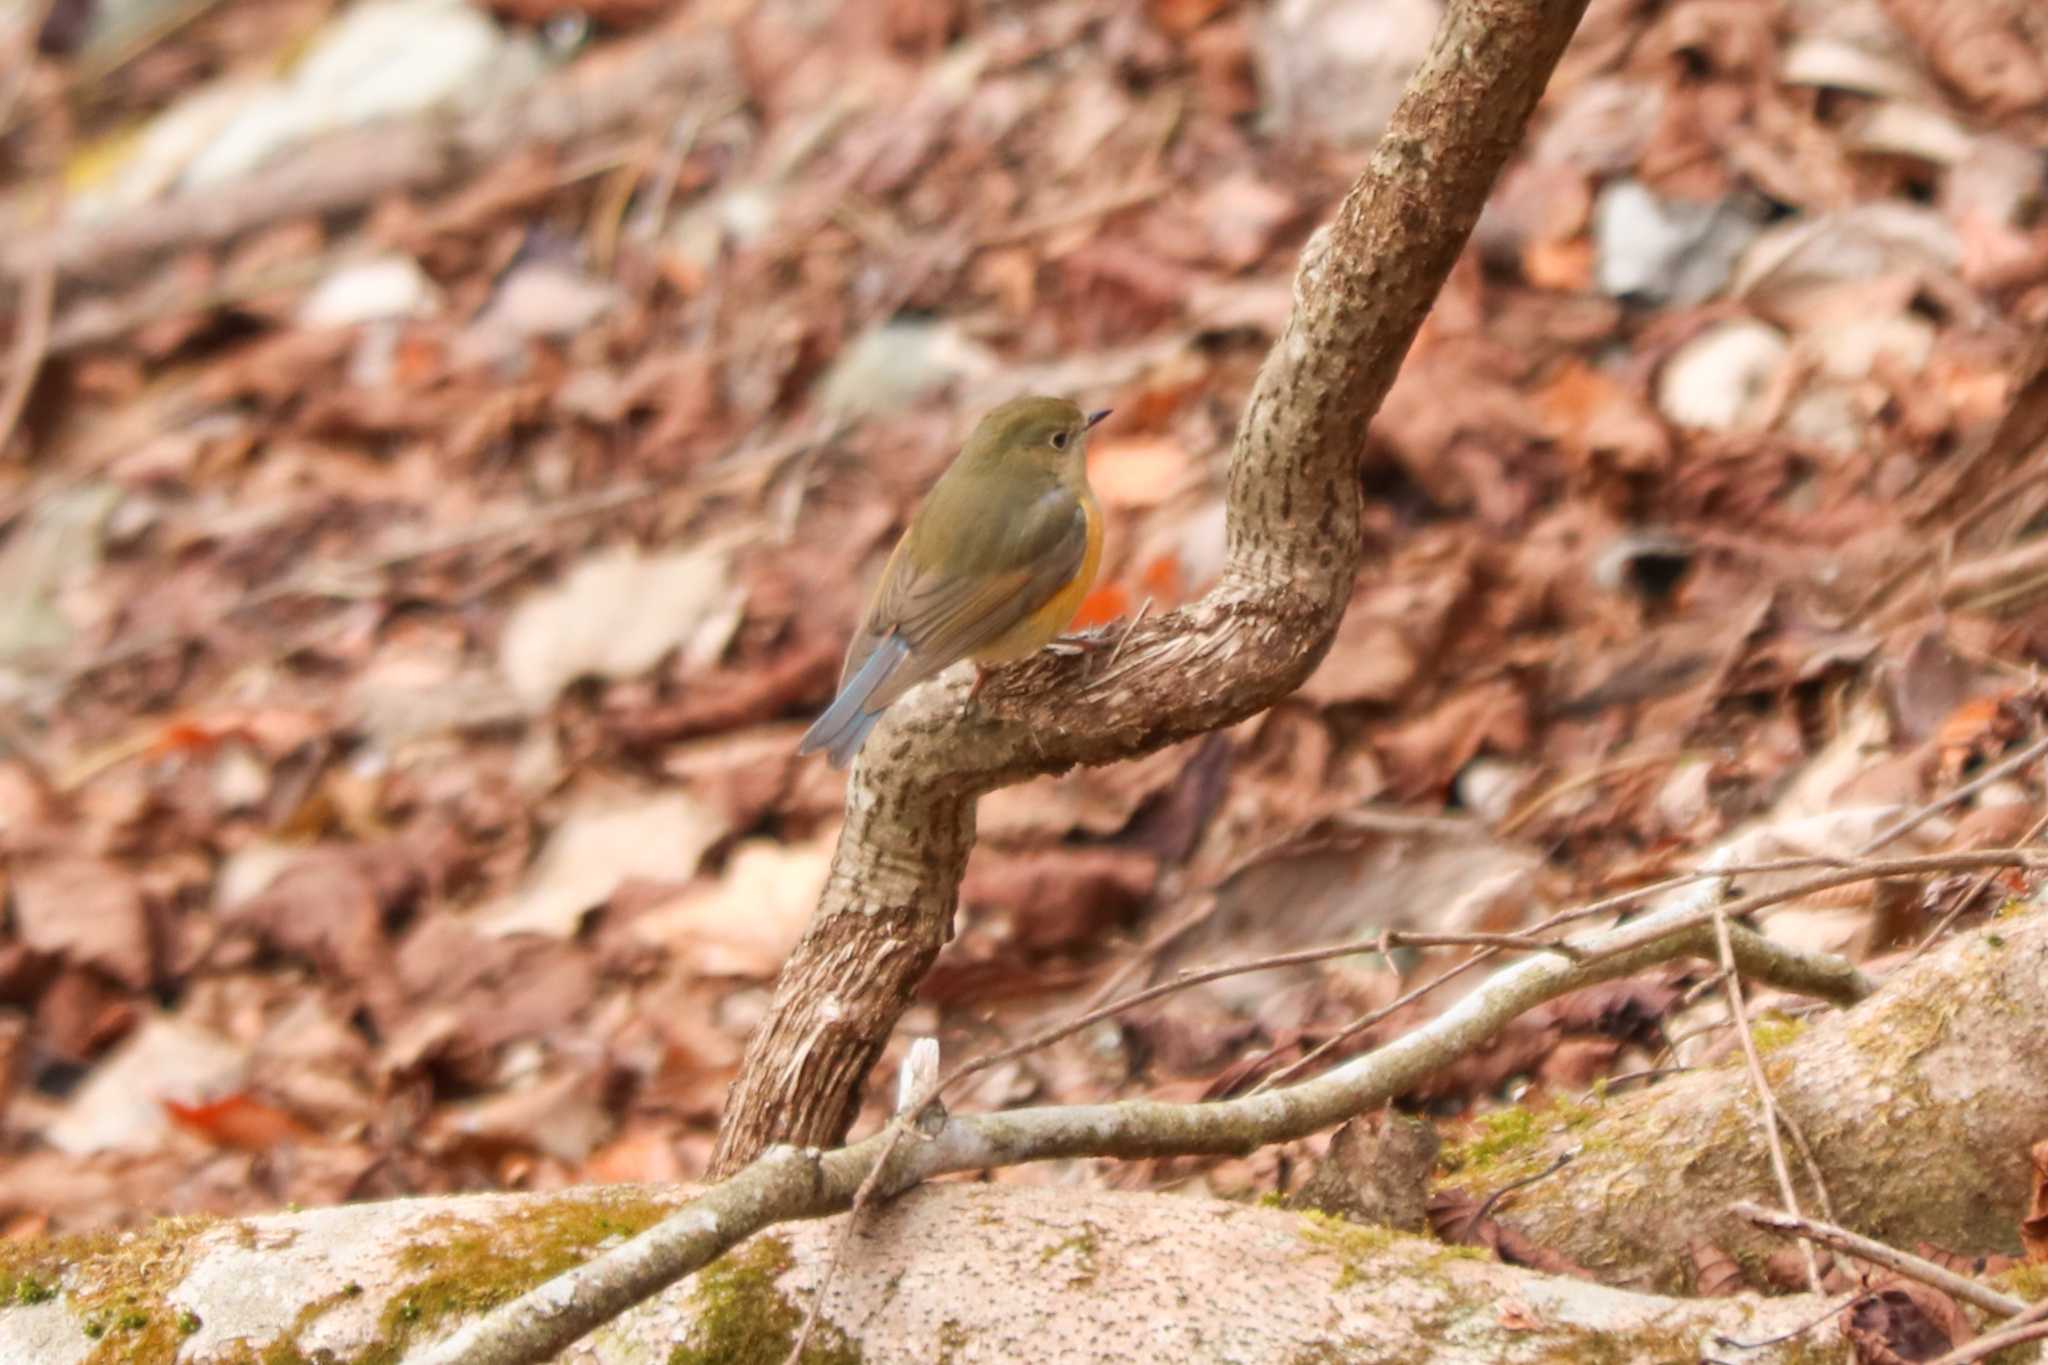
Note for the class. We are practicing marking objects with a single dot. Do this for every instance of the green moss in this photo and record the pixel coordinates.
(1501, 1133)
(1911, 1026)
(741, 1318)
(1506, 1135)
(26, 1290)
(1350, 1351)
(284, 1350)
(2028, 1280)
(1082, 1246)
(483, 1262)
(117, 1283)
(1353, 1244)
(114, 1283)
(1773, 1032)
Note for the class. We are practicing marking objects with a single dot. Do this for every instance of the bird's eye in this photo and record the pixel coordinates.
(1059, 440)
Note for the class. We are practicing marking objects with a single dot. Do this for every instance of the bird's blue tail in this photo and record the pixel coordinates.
(846, 722)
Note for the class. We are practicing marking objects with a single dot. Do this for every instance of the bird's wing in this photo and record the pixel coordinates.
(945, 614)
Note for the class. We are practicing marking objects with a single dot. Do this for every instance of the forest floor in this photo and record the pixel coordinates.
(416, 588)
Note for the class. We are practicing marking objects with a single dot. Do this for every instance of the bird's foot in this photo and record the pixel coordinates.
(981, 676)
(1082, 642)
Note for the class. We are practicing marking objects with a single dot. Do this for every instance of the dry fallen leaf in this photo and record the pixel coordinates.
(88, 912)
(563, 1115)
(120, 1106)
(615, 614)
(1715, 1274)
(745, 923)
(2034, 1227)
(597, 847)
(1906, 1321)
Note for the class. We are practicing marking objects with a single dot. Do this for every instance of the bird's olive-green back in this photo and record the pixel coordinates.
(1002, 531)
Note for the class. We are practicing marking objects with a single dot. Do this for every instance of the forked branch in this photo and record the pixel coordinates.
(1365, 283)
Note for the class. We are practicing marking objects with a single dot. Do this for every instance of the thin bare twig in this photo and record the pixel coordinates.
(1767, 1103)
(1736, 1343)
(1124, 639)
(1849, 872)
(1492, 1201)
(1186, 980)
(2031, 1325)
(1366, 1021)
(1606, 904)
(1969, 897)
(1116, 202)
(1813, 1173)
(31, 347)
(1877, 1253)
(1923, 814)
(1633, 936)
(1654, 1073)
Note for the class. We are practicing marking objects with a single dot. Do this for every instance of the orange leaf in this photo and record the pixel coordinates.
(1102, 606)
(416, 361)
(238, 1121)
(1974, 720)
(1161, 580)
(1565, 265)
(185, 737)
(1574, 393)
(1137, 471)
(1181, 17)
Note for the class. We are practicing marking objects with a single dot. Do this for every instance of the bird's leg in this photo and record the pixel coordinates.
(981, 676)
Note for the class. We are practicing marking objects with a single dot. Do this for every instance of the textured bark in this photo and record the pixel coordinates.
(1919, 1105)
(1364, 285)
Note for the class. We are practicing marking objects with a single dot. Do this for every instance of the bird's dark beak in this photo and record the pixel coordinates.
(1095, 417)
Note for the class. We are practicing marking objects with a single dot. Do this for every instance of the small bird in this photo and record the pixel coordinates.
(992, 567)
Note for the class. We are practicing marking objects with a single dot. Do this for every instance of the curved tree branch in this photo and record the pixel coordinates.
(1365, 283)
